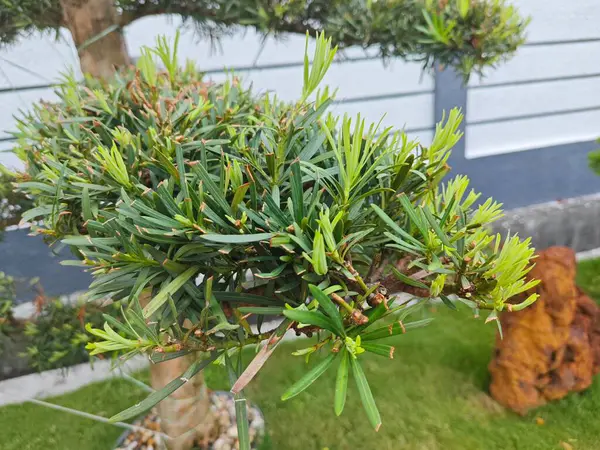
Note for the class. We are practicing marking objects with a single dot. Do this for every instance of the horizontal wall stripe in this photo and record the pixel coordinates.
(534, 81)
(561, 42)
(32, 87)
(260, 68)
(533, 116)
(532, 63)
(283, 65)
(388, 96)
(526, 135)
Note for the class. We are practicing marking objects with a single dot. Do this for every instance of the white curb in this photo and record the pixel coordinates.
(61, 381)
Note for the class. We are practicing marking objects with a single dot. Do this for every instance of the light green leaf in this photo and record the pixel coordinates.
(170, 289)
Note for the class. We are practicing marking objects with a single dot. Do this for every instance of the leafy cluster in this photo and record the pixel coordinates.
(466, 34)
(594, 160)
(56, 336)
(7, 298)
(220, 205)
(11, 203)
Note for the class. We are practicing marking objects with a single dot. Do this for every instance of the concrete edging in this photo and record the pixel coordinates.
(62, 381)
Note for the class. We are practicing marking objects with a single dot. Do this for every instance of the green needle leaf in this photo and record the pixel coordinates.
(170, 289)
(236, 238)
(327, 305)
(314, 318)
(309, 378)
(365, 394)
(341, 383)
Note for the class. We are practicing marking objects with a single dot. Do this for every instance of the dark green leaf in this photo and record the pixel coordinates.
(408, 280)
(327, 305)
(341, 383)
(313, 318)
(310, 377)
(365, 394)
(449, 303)
(384, 350)
(393, 330)
(236, 238)
(261, 310)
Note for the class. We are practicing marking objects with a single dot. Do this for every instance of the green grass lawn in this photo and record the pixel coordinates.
(431, 396)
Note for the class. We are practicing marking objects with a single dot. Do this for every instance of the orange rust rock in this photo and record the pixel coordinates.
(552, 347)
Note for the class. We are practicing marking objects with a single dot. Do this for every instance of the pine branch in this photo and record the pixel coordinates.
(468, 35)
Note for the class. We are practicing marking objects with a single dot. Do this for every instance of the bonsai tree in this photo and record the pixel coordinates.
(224, 206)
(465, 34)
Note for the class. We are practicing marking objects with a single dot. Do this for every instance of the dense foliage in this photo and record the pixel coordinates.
(56, 336)
(224, 205)
(11, 203)
(466, 34)
(7, 298)
(594, 159)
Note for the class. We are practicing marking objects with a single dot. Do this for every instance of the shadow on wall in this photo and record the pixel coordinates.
(25, 257)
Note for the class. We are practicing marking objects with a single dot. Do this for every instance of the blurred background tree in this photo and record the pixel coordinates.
(465, 34)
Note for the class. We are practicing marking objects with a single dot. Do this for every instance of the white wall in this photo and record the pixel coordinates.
(553, 20)
(42, 59)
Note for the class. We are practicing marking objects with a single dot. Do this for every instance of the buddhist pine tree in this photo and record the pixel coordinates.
(225, 206)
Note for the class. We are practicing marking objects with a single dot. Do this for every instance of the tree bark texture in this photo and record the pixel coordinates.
(185, 415)
(87, 19)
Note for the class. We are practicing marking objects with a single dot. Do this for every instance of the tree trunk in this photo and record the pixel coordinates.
(87, 19)
(185, 415)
